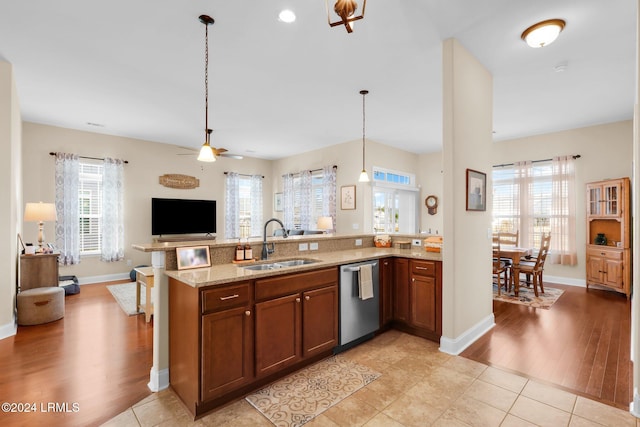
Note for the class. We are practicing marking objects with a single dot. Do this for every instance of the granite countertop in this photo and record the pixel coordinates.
(229, 273)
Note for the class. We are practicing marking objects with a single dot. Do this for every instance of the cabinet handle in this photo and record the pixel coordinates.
(297, 299)
(229, 297)
(602, 253)
(307, 298)
(247, 313)
(422, 268)
(386, 263)
(413, 279)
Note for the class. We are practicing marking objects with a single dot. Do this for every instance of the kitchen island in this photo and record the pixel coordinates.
(233, 330)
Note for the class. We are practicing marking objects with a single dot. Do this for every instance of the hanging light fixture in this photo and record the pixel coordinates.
(364, 177)
(543, 33)
(206, 152)
(346, 10)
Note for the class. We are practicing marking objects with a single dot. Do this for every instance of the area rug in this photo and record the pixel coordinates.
(125, 295)
(297, 399)
(526, 296)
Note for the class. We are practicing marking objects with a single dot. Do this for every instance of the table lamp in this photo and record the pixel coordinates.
(40, 212)
(325, 223)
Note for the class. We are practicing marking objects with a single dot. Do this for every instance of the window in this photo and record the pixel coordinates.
(243, 206)
(307, 196)
(535, 198)
(395, 202)
(90, 208)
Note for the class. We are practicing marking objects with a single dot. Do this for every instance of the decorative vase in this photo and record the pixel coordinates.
(600, 239)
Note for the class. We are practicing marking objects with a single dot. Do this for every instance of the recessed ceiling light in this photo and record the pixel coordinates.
(543, 33)
(287, 16)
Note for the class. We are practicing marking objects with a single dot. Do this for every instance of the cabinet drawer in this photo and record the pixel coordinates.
(225, 297)
(423, 268)
(293, 283)
(605, 253)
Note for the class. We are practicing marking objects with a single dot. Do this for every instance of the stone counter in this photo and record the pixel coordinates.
(228, 273)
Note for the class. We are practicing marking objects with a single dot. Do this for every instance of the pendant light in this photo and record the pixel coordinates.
(364, 177)
(206, 152)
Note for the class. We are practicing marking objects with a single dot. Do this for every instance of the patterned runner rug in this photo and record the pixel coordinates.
(526, 296)
(125, 295)
(298, 398)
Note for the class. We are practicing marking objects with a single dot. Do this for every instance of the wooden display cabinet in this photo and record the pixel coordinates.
(609, 214)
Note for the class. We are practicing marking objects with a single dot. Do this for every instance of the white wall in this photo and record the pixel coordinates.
(467, 127)
(147, 162)
(606, 152)
(430, 179)
(11, 195)
(348, 157)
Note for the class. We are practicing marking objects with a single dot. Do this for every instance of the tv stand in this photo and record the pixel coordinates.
(185, 238)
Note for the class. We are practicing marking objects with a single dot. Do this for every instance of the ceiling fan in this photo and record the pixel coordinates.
(217, 152)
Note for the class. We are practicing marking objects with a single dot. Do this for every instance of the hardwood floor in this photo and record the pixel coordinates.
(581, 344)
(96, 357)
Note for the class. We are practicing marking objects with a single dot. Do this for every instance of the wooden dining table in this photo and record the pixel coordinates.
(514, 253)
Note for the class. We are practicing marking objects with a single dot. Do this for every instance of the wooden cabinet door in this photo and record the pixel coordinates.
(613, 273)
(319, 320)
(401, 290)
(386, 291)
(227, 351)
(278, 333)
(611, 200)
(595, 267)
(422, 297)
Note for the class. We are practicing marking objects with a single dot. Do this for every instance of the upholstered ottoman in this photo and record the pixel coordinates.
(40, 305)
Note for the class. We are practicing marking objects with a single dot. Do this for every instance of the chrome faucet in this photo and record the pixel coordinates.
(266, 251)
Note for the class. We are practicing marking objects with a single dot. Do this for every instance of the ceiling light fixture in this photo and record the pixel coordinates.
(364, 177)
(206, 152)
(543, 33)
(287, 16)
(346, 10)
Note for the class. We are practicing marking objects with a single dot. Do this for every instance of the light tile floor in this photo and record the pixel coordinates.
(419, 386)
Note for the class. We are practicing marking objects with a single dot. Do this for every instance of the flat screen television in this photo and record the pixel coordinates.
(182, 216)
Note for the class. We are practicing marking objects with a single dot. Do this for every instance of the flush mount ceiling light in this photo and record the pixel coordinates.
(543, 33)
(287, 16)
(346, 10)
(364, 177)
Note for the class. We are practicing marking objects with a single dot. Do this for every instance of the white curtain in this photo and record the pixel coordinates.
(288, 198)
(256, 205)
(112, 227)
(306, 202)
(232, 206)
(563, 212)
(68, 223)
(523, 177)
(329, 175)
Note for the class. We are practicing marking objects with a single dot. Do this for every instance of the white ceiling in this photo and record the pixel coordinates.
(276, 89)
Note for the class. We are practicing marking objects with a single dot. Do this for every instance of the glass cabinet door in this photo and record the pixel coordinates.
(611, 200)
(594, 201)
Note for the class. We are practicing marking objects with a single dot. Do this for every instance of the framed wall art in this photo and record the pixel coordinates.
(277, 202)
(476, 190)
(348, 197)
(193, 257)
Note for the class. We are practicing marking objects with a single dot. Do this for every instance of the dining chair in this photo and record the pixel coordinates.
(509, 238)
(535, 267)
(499, 266)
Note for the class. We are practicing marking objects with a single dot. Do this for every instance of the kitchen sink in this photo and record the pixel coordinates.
(280, 264)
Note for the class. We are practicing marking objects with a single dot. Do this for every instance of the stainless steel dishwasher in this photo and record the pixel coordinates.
(359, 318)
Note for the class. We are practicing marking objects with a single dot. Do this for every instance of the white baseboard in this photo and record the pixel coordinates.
(105, 278)
(569, 281)
(634, 406)
(158, 380)
(9, 329)
(457, 345)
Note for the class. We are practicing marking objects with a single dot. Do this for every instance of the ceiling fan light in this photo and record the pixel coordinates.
(543, 33)
(206, 153)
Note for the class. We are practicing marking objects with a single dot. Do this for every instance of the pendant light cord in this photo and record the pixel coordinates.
(363, 127)
(206, 82)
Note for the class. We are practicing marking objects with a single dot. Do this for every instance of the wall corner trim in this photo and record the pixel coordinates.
(457, 345)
